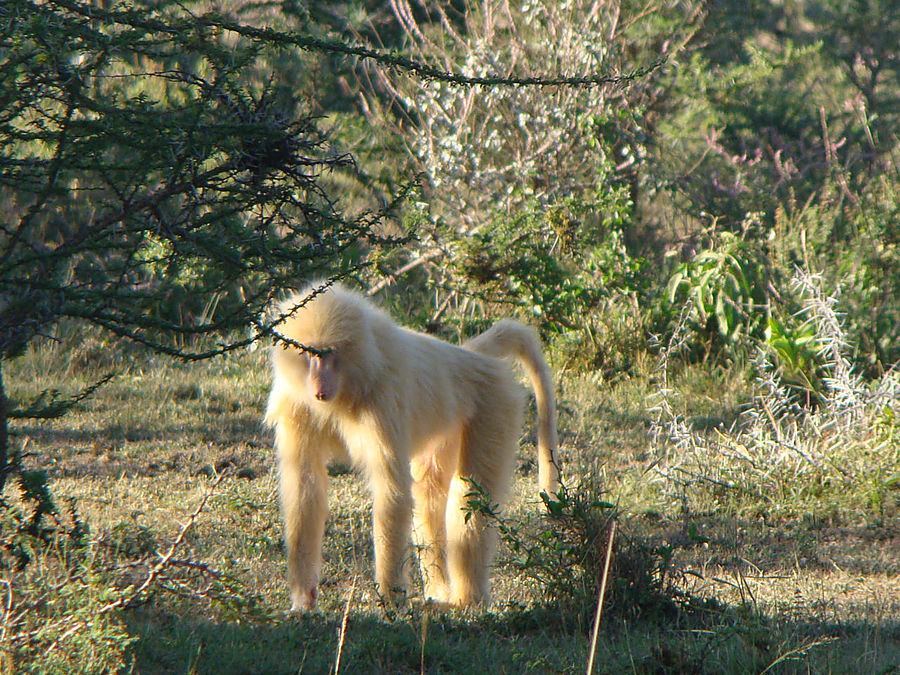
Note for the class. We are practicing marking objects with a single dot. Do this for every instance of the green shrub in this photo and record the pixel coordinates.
(797, 355)
(564, 551)
(723, 288)
(53, 575)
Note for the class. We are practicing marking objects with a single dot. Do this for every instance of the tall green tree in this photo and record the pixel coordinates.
(150, 185)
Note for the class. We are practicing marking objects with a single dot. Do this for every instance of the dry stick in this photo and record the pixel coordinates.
(343, 633)
(426, 613)
(165, 558)
(411, 265)
(609, 548)
(7, 612)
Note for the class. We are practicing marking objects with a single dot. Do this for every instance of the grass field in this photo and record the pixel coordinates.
(792, 530)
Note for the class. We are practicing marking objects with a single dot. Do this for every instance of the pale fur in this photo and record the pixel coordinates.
(421, 418)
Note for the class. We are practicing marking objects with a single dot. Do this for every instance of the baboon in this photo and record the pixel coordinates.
(424, 420)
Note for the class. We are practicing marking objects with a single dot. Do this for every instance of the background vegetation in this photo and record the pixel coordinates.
(703, 222)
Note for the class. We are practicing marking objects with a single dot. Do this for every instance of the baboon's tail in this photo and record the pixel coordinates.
(511, 338)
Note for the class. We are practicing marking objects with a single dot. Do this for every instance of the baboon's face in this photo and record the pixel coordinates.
(317, 377)
(323, 375)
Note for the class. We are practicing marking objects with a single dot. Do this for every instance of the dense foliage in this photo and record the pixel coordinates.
(759, 146)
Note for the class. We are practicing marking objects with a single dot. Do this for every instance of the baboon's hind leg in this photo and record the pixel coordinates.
(486, 456)
(431, 476)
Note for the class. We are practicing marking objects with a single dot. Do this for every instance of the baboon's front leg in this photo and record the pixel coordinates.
(392, 514)
(304, 507)
(303, 453)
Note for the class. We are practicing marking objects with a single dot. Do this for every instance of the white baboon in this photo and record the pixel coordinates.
(422, 419)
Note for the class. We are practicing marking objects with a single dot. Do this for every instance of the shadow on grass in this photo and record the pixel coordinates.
(372, 644)
(235, 428)
(117, 450)
(788, 544)
(737, 641)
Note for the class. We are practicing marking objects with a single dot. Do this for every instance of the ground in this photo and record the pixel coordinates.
(805, 583)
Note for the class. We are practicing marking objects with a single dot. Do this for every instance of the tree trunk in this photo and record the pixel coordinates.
(4, 436)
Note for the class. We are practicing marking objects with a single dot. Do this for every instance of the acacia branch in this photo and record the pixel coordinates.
(42, 409)
(40, 200)
(147, 201)
(388, 59)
